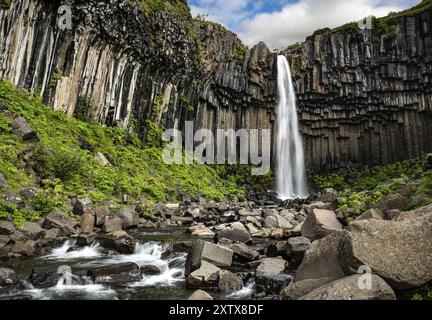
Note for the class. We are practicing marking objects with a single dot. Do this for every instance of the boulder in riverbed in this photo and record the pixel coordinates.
(296, 247)
(25, 248)
(319, 224)
(200, 295)
(32, 230)
(44, 277)
(129, 216)
(8, 278)
(295, 290)
(322, 259)
(229, 282)
(87, 222)
(206, 277)
(236, 232)
(200, 230)
(116, 273)
(243, 253)
(81, 206)
(6, 228)
(209, 252)
(398, 251)
(61, 221)
(119, 241)
(348, 288)
(112, 224)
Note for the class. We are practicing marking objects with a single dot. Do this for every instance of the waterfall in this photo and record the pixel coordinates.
(290, 164)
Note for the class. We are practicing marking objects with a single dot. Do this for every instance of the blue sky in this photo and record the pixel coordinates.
(280, 23)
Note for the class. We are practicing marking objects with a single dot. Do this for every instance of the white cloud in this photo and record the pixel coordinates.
(295, 21)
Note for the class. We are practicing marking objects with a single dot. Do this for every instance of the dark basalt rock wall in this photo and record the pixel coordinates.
(362, 100)
(366, 98)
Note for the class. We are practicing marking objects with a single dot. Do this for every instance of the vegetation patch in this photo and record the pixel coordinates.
(64, 170)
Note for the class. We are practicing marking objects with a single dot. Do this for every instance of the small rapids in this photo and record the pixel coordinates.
(71, 285)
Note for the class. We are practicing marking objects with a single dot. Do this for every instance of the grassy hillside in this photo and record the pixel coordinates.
(59, 168)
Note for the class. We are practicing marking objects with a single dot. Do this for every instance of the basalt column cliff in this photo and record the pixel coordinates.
(364, 96)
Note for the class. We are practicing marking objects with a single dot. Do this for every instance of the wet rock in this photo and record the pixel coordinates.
(84, 240)
(322, 260)
(17, 236)
(6, 228)
(243, 253)
(23, 130)
(319, 224)
(277, 233)
(201, 230)
(348, 289)
(119, 241)
(200, 295)
(206, 277)
(150, 270)
(146, 224)
(277, 221)
(3, 181)
(271, 284)
(8, 278)
(298, 289)
(87, 222)
(112, 224)
(229, 282)
(51, 234)
(398, 251)
(209, 252)
(296, 247)
(25, 248)
(193, 212)
(236, 232)
(45, 277)
(277, 249)
(129, 216)
(272, 265)
(32, 230)
(81, 206)
(60, 221)
(117, 273)
(100, 214)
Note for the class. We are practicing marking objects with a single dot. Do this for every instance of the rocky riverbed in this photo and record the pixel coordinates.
(218, 250)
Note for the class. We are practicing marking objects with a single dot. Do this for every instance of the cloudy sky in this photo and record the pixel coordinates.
(280, 23)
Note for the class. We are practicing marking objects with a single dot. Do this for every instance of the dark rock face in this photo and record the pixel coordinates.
(8, 278)
(44, 277)
(361, 96)
(117, 273)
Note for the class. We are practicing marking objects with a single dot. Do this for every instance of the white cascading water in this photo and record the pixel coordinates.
(290, 163)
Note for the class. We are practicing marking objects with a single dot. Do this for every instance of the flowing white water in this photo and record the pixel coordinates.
(63, 253)
(290, 163)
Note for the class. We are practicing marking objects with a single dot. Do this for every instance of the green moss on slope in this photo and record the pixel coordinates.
(64, 170)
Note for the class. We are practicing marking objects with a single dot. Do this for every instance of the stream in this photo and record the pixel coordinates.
(76, 261)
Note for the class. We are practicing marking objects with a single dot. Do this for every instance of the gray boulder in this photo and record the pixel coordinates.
(348, 289)
(296, 247)
(150, 270)
(200, 295)
(25, 248)
(6, 228)
(322, 260)
(398, 251)
(328, 195)
(81, 206)
(59, 220)
(200, 230)
(44, 277)
(319, 224)
(100, 214)
(375, 214)
(117, 273)
(8, 278)
(272, 265)
(87, 222)
(32, 230)
(209, 252)
(112, 224)
(236, 232)
(229, 282)
(394, 201)
(129, 216)
(119, 241)
(277, 221)
(243, 253)
(23, 130)
(271, 284)
(206, 277)
(3, 181)
(295, 290)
